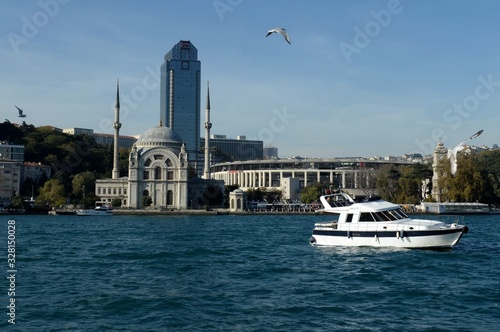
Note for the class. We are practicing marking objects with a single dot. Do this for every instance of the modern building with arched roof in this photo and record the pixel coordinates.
(357, 175)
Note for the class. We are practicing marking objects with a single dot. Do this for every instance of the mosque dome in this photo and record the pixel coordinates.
(159, 136)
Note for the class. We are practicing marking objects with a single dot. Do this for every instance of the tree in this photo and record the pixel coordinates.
(310, 194)
(52, 194)
(147, 201)
(116, 202)
(264, 194)
(388, 182)
(83, 184)
(213, 196)
(469, 183)
(228, 189)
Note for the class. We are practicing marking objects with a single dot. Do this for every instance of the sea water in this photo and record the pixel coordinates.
(238, 273)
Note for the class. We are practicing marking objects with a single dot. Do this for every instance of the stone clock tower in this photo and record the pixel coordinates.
(438, 170)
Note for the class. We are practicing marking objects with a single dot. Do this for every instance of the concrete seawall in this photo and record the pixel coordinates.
(199, 212)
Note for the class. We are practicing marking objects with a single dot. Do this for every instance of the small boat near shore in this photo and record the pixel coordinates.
(97, 211)
(378, 223)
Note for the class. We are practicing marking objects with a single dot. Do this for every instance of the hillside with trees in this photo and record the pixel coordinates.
(76, 161)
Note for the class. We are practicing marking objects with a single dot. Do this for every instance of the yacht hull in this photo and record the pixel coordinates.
(438, 239)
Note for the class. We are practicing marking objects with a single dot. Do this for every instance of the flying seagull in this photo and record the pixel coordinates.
(282, 32)
(21, 113)
(452, 153)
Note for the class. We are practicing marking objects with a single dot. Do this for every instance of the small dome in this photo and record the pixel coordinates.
(159, 136)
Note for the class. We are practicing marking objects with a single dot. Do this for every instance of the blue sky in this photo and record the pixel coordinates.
(361, 78)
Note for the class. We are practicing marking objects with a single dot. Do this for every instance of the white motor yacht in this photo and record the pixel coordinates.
(378, 223)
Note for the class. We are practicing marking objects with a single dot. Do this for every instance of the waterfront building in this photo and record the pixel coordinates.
(180, 96)
(158, 170)
(14, 171)
(10, 180)
(358, 176)
(158, 175)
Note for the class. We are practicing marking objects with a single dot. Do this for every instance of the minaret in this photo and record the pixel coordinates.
(117, 125)
(208, 125)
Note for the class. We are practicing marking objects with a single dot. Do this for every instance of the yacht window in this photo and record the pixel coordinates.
(379, 216)
(348, 218)
(402, 213)
(366, 216)
(389, 215)
(397, 214)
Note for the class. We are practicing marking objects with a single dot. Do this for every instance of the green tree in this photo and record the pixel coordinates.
(227, 190)
(83, 183)
(17, 203)
(147, 201)
(310, 194)
(264, 194)
(52, 194)
(213, 196)
(388, 182)
(116, 202)
(469, 183)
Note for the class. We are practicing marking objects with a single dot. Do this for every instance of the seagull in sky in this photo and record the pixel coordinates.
(282, 32)
(21, 112)
(452, 153)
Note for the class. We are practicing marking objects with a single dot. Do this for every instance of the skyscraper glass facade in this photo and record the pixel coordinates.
(180, 95)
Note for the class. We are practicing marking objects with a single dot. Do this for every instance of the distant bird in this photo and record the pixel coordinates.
(282, 32)
(21, 112)
(452, 153)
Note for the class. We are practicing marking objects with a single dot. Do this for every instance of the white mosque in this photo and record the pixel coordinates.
(158, 175)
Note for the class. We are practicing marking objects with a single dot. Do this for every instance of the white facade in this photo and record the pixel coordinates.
(158, 168)
(291, 189)
(237, 201)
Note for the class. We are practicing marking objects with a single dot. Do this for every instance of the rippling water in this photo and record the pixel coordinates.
(241, 273)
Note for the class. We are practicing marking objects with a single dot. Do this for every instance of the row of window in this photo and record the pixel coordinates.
(111, 191)
(170, 196)
(157, 174)
(389, 215)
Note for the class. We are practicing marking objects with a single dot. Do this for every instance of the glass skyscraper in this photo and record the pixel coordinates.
(180, 95)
